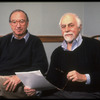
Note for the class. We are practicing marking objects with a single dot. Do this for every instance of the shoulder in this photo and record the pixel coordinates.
(57, 51)
(35, 41)
(91, 43)
(34, 38)
(89, 40)
(6, 37)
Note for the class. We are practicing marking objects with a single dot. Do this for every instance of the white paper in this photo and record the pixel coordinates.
(35, 80)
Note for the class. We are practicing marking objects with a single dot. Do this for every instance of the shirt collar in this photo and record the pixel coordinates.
(76, 43)
(25, 37)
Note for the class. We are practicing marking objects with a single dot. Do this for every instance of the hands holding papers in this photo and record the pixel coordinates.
(35, 80)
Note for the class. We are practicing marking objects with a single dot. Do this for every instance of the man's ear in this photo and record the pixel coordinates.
(80, 27)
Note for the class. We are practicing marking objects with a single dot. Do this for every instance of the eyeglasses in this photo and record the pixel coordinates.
(61, 71)
(15, 22)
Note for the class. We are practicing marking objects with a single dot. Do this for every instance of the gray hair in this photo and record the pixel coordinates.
(77, 19)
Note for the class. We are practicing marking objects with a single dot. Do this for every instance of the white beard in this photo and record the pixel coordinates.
(69, 36)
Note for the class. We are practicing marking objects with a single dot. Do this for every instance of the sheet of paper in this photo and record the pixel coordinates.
(35, 80)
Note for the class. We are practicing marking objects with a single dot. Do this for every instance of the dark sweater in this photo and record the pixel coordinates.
(85, 59)
(20, 56)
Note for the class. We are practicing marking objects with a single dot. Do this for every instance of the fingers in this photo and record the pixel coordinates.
(14, 86)
(29, 91)
(75, 76)
(10, 84)
(31, 94)
(6, 82)
(69, 76)
(72, 76)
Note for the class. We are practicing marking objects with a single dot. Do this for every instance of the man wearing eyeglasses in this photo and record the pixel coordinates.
(19, 51)
(75, 65)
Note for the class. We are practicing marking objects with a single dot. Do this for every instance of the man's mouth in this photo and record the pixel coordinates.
(68, 35)
(19, 30)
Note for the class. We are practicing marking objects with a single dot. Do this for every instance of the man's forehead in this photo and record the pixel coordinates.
(67, 19)
(18, 15)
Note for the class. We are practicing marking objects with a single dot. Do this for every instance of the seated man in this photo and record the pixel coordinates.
(19, 51)
(75, 65)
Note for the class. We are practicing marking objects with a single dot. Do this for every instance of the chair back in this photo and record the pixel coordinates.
(96, 37)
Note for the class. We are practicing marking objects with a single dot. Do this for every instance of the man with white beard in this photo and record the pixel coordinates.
(75, 65)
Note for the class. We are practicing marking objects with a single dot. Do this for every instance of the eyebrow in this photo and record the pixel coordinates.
(68, 24)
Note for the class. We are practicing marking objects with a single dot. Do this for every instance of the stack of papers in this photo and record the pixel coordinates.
(35, 80)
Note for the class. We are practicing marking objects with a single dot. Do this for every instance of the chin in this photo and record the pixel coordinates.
(17, 33)
(69, 40)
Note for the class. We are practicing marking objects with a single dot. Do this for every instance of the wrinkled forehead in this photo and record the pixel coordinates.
(67, 19)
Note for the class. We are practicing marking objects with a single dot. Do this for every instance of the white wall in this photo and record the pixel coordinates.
(44, 16)
(91, 18)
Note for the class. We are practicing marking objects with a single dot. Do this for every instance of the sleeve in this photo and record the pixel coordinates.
(88, 79)
(39, 58)
(95, 74)
(55, 75)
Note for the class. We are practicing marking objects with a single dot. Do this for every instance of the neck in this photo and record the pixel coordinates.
(69, 46)
(19, 36)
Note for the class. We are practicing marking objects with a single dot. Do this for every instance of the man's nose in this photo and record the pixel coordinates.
(67, 28)
(18, 24)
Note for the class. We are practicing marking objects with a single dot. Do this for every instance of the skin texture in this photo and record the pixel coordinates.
(11, 83)
(69, 28)
(29, 92)
(19, 30)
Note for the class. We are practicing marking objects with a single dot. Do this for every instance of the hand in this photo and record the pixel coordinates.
(11, 82)
(75, 76)
(29, 91)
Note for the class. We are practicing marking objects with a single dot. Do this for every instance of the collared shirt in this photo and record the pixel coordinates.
(76, 43)
(25, 37)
